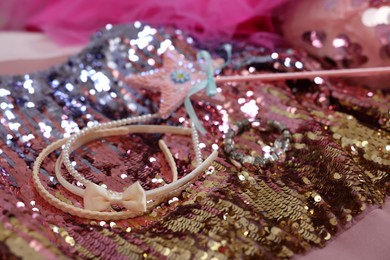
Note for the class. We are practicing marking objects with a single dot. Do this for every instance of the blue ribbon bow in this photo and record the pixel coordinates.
(206, 65)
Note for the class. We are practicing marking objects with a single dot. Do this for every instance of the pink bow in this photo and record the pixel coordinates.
(97, 198)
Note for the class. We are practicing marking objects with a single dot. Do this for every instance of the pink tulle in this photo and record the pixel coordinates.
(74, 21)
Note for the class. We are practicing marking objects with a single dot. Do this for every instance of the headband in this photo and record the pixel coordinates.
(134, 198)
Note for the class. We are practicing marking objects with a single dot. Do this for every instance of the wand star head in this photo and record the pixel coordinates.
(173, 80)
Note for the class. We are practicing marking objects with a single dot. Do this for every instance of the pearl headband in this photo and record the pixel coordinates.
(134, 198)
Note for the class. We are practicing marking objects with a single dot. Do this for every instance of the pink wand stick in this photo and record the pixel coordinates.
(307, 74)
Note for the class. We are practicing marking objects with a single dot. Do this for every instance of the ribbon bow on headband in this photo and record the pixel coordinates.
(97, 198)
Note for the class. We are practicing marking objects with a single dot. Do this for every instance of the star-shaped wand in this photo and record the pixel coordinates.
(177, 80)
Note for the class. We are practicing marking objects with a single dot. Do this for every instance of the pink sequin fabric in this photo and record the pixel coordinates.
(336, 169)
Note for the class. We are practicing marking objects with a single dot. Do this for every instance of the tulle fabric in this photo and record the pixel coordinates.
(70, 22)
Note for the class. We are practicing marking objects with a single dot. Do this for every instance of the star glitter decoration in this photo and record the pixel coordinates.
(174, 80)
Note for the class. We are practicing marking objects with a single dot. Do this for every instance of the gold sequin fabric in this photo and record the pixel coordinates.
(336, 169)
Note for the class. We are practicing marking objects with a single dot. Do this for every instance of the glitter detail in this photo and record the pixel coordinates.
(314, 38)
(180, 76)
(346, 54)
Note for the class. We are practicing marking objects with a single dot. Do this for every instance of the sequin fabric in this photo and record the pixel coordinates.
(346, 52)
(336, 170)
